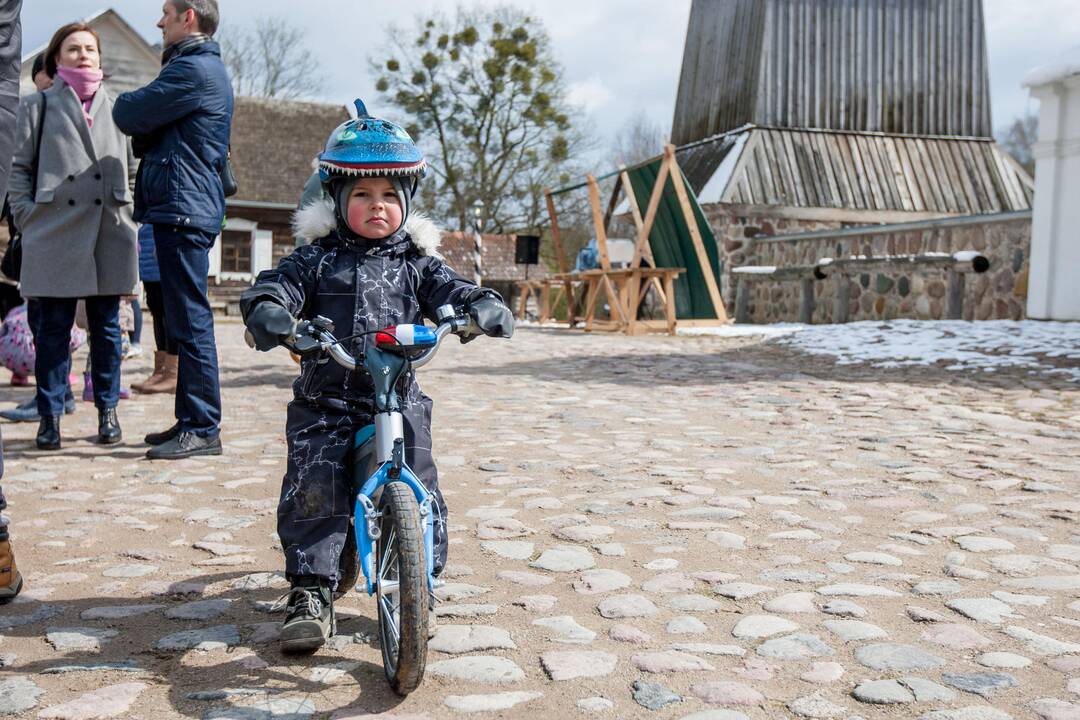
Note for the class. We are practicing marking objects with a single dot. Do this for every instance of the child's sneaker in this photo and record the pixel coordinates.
(309, 615)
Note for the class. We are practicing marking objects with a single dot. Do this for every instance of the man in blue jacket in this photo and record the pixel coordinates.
(180, 126)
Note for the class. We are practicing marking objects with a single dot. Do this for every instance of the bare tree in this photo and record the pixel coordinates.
(1018, 139)
(270, 60)
(638, 140)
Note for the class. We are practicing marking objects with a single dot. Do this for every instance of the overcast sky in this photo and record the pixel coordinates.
(620, 56)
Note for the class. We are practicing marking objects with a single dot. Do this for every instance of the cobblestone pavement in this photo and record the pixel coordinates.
(697, 528)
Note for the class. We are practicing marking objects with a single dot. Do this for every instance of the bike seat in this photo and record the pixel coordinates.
(408, 340)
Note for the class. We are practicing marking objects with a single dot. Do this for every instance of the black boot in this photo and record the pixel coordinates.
(309, 615)
(48, 434)
(160, 438)
(108, 427)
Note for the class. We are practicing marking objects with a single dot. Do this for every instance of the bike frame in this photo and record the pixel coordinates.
(382, 444)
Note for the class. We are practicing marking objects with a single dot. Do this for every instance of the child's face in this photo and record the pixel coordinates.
(374, 210)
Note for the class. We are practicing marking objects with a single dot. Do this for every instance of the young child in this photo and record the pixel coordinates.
(369, 265)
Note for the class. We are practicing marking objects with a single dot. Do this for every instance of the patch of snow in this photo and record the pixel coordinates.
(713, 192)
(985, 346)
(1066, 65)
(767, 331)
(754, 270)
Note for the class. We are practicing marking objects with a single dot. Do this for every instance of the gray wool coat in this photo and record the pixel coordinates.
(78, 235)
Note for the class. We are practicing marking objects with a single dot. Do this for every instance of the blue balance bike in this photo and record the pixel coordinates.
(393, 526)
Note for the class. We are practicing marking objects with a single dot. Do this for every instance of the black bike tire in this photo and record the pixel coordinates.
(401, 511)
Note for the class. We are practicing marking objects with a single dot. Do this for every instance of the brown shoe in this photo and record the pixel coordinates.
(166, 382)
(10, 579)
(155, 377)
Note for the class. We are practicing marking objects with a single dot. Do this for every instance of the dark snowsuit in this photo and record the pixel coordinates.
(361, 289)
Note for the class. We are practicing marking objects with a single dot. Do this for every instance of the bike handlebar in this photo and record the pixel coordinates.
(450, 321)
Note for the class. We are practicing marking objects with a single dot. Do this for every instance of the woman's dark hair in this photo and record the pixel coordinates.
(58, 39)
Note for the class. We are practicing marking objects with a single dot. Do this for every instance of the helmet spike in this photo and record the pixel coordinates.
(361, 109)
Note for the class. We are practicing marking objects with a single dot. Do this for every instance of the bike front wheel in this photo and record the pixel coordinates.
(401, 588)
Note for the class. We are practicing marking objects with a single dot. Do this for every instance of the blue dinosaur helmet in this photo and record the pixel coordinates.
(370, 147)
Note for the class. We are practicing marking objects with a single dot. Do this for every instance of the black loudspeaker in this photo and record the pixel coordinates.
(527, 251)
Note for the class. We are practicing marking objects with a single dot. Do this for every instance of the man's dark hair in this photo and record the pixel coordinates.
(38, 66)
(206, 13)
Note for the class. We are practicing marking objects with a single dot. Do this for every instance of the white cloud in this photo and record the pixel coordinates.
(591, 95)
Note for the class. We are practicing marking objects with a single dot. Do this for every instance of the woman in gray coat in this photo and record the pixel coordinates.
(71, 186)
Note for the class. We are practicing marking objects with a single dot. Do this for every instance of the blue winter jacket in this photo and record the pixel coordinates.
(183, 119)
(148, 267)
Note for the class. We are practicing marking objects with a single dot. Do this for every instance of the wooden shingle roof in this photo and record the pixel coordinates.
(273, 145)
(855, 171)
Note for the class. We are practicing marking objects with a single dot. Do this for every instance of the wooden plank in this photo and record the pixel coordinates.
(825, 156)
(612, 202)
(871, 171)
(560, 256)
(556, 236)
(598, 223)
(669, 303)
(635, 210)
(948, 195)
(695, 237)
(897, 169)
(631, 198)
(633, 294)
(811, 179)
(929, 178)
(978, 183)
(797, 189)
(918, 203)
(846, 171)
(962, 189)
(1013, 193)
(863, 182)
(650, 213)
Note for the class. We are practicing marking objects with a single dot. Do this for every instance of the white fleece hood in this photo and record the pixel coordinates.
(317, 220)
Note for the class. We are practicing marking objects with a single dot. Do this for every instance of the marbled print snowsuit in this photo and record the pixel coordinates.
(360, 288)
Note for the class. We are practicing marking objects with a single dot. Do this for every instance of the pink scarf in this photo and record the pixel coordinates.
(85, 82)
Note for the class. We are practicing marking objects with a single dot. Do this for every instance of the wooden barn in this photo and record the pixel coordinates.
(797, 116)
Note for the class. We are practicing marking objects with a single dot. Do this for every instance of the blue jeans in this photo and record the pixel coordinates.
(184, 260)
(33, 317)
(53, 343)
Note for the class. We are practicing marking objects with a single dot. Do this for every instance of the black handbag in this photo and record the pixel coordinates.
(228, 179)
(11, 263)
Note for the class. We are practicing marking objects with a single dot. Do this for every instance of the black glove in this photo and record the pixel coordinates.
(491, 315)
(269, 324)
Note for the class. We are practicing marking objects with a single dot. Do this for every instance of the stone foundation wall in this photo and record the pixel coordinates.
(735, 235)
(883, 293)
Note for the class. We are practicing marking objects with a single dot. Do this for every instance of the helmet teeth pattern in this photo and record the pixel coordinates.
(335, 169)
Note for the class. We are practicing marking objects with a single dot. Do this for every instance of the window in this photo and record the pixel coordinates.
(236, 251)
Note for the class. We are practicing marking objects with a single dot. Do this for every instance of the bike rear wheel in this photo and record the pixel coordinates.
(401, 588)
